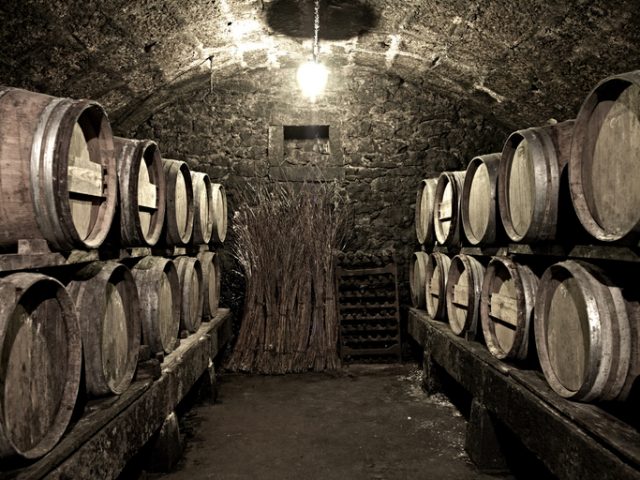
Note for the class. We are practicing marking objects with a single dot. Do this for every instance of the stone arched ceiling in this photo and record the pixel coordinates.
(521, 61)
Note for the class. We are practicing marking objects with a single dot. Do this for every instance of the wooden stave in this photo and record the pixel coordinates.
(172, 236)
(612, 333)
(88, 291)
(418, 266)
(492, 162)
(202, 233)
(442, 263)
(526, 285)
(456, 179)
(576, 180)
(552, 144)
(17, 286)
(426, 236)
(477, 272)
(129, 154)
(213, 259)
(184, 266)
(219, 233)
(147, 273)
(37, 157)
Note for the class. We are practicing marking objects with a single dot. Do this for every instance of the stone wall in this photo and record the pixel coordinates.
(389, 134)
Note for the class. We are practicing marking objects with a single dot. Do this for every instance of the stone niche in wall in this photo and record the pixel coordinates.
(305, 148)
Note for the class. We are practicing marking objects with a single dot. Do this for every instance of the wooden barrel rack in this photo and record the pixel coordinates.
(127, 422)
(91, 352)
(554, 429)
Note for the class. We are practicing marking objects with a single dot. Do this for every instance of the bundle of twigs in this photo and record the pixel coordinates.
(285, 236)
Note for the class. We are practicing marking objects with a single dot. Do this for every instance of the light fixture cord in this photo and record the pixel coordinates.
(316, 29)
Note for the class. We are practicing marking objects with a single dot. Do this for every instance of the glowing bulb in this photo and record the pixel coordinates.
(312, 78)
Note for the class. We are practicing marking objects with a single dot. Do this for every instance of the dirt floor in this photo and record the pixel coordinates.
(364, 423)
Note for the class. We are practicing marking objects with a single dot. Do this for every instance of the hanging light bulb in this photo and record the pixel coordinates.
(312, 78)
(313, 75)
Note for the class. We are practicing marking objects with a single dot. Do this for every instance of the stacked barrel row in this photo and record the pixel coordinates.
(569, 182)
(66, 179)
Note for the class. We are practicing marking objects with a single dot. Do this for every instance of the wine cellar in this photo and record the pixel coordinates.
(356, 239)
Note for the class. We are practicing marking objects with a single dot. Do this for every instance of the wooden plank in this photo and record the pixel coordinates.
(33, 246)
(86, 180)
(461, 295)
(170, 252)
(573, 440)
(14, 262)
(605, 252)
(504, 308)
(124, 426)
(147, 196)
(367, 306)
(485, 251)
(617, 435)
(358, 272)
(546, 249)
(135, 252)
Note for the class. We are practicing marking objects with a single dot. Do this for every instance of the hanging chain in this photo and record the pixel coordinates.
(316, 29)
(211, 74)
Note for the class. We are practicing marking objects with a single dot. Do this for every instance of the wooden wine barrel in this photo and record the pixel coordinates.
(425, 200)
(586, 333)
(203, 208)
(604, 168)
(446, 210)
(529, 181)
(40, 362)
(142, 192)
(160, 300)
(479, 203)
(417, 278)
(210, 262)
(436, 284)
(464, 290)
(191, 287)
(179, 212)
(109, 316)
(58, 170)
(219, 213)
(506, 308)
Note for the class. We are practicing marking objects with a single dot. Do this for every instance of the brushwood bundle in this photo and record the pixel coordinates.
(285, 236)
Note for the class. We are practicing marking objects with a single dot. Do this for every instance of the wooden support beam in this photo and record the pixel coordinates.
(482, 442)
(167, 446)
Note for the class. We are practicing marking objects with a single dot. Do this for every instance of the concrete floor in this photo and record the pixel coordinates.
(367, 422)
